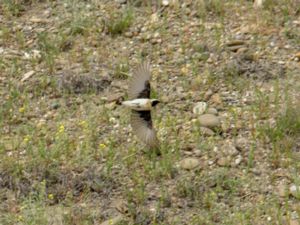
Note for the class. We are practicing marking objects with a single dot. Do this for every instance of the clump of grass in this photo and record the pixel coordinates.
(287, 124)
(79, 20)
(48, 50)
(79, 25)
(283, 135)
(138, 194)
(12, 7)
(5, 34)
(20, 37)
(161, 169)
(208, 189)
(118, 24)
(285, 10)
(121, 70)
(213, 6)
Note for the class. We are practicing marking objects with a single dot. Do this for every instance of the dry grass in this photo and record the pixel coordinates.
(70, 157)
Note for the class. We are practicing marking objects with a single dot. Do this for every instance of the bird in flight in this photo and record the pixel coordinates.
(141, 104)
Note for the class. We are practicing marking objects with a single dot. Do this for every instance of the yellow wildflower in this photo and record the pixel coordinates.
(20, 218)
(22, 109)
(26, 139)
(102, 146)
(51, 196)
(83, 123)
(61, 129)
(184, 70)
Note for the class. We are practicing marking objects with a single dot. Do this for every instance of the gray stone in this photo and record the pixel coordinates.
(209, 120)
(241, 143)
(200, 108)
(121, 1)
(213, 111)
(223, 161)
(238, 160)
(189, 163)
(198, 152)
(165, 2)
(295, 191)
(230, 149)
(206, 131)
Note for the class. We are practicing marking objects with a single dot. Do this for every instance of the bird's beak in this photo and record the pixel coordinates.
(155, 102)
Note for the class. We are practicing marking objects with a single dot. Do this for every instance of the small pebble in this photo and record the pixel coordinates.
(295, 191)
(200, 108)
(189, 163)
(213, 111)
(209, 120)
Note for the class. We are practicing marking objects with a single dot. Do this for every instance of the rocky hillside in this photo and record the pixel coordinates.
(227, 76)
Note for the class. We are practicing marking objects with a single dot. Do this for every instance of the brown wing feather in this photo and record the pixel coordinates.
(141, 123)
(139, 86)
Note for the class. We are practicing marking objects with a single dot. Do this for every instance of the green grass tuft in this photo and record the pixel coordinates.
(120, 23)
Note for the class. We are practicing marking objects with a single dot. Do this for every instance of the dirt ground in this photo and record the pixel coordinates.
(228, 78)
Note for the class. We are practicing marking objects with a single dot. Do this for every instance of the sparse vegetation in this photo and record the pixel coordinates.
(12, 8)
(67, 152)
(122, 70)
(284, 135)
(120, 22)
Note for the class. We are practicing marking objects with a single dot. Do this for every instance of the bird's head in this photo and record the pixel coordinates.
(154, 102)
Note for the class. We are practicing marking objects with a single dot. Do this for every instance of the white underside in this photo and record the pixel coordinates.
(139, 104)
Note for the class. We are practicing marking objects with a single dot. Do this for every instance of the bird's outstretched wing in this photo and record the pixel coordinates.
(141, 123)
(139, 86)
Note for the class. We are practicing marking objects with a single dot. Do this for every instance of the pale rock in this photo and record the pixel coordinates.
(188, 153)
(209, 60)
(154, 18)
(213, 111)
(295, 190)
(197, 152)
(206, 131)
(241, 143)
(110, 105)
(210, 162)
(256, 171)
(189, 163)
(294, 215)
(27, 75)
(235, 48)
(297, 56)
(115, 97)
(37, 20)
(121, 1)
(200, 108)
(223, 161)
(209, 120)
(208, 94)
(258, 4)
(238, 160)
(128, 34)
(165, 2)
(235, 43)
(230, 149)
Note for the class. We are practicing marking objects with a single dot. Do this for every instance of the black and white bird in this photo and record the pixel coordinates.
(141, 104)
